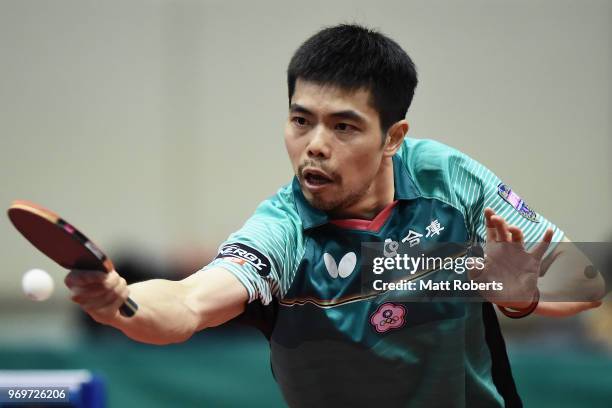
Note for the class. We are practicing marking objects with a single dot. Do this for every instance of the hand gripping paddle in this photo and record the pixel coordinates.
(61, 242)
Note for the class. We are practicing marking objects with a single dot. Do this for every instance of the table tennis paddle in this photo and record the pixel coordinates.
(61, 242)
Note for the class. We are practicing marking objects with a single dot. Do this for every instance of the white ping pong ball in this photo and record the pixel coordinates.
(37, 284)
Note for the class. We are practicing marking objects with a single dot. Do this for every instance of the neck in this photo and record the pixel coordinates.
(379, 195)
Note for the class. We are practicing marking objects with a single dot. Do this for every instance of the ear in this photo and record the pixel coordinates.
(395, 137)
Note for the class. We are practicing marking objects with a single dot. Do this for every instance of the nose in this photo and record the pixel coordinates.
(319, 144)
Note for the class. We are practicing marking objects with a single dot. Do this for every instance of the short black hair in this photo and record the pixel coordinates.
(351, 57)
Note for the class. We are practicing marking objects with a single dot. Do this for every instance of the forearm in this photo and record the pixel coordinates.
(168, 311)
(564, 309)
(163, 315)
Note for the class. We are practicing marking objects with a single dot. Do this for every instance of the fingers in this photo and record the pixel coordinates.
(105, 304)
(502, 228)
(542, 247)
(99, 294)
(491, 231)
(76, 278)
(516, 234)
(498, 229)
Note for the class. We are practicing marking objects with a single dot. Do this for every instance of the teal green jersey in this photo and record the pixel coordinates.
(333, 345)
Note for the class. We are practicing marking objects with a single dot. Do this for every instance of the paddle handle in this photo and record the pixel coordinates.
(129, 308)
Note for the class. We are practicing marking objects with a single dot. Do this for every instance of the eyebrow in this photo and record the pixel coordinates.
(345, 114)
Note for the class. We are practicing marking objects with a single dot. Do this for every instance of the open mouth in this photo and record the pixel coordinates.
(315, 178)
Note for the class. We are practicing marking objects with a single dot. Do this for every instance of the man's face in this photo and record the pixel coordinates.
(334, 142)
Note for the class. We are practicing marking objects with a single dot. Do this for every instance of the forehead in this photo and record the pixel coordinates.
(327, 99)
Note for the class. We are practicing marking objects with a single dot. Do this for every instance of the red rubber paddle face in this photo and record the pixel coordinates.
(57, 239)
(62, 242)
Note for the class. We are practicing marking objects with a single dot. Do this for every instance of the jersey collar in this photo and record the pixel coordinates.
(405, 189)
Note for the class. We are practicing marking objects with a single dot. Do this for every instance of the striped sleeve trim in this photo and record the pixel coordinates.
(476, 188)
(272, 232)
(256, 286)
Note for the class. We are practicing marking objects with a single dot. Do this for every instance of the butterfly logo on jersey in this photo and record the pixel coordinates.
(344, 269)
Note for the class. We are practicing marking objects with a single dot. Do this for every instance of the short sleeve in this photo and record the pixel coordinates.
(261, 253)
(475, 188)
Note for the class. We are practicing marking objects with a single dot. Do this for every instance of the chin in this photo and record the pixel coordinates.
(321, 203)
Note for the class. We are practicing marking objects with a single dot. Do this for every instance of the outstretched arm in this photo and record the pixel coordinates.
(169, 311)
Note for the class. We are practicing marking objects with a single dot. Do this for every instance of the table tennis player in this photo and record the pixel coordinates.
(294, 267)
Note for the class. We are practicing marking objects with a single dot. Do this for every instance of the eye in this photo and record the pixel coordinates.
(345, 128)
(299, 121)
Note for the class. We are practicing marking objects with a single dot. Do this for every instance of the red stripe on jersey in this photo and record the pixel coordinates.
(373, 225)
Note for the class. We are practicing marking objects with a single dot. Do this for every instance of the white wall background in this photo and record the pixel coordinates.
(160, 122)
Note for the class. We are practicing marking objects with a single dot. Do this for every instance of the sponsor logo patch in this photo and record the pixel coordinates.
(241, 254)
(388, 316)
(344, 269)
(516, 202)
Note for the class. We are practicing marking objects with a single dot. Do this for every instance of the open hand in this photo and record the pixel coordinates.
(508, 262)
